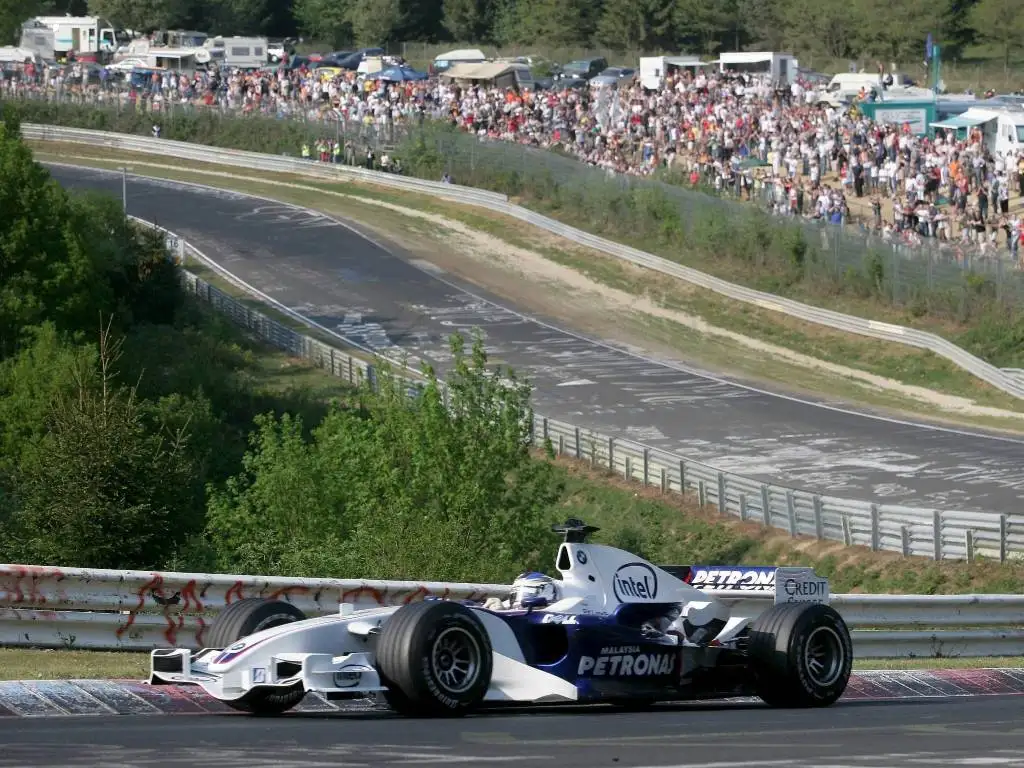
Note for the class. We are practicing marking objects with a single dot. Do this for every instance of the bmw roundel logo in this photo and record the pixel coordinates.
(581, 557)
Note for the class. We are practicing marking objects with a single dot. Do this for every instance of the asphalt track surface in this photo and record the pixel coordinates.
(388, 301)
(983, 731)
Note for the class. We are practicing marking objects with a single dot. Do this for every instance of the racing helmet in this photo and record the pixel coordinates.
(533, 589)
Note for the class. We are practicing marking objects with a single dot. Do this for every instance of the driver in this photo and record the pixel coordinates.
(536, 589)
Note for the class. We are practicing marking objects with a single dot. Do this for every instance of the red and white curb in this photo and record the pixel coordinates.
(62, 698)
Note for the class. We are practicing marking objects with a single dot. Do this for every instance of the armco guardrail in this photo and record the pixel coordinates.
(140, 610)
(255, 161)
(937, 534)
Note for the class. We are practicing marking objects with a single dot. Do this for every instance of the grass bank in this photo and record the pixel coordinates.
(600, 295)
(838, 269)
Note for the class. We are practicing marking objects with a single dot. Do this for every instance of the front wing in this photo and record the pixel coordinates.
(347, 675)
(350, 675)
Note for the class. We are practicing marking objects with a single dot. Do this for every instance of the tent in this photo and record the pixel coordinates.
(398, 74)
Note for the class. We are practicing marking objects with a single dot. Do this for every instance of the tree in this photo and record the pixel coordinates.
(565, 23)
(326, 21)
(440, 487)
(468, 20)
(375, 22)
(637, 25)
(999, 23)
(104, 489)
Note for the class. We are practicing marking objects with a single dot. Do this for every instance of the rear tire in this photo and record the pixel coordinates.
(436, 660)
(247, 617)
(801, 654)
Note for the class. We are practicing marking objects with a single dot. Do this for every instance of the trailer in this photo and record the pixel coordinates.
(782, 67)
(87, 38)
(239, 52)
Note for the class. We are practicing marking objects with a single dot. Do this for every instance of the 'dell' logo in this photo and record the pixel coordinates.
(635, 580)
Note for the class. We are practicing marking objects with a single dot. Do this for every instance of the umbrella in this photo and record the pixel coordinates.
(398, 74)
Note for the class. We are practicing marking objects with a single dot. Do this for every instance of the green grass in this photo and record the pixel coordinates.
(900, 363)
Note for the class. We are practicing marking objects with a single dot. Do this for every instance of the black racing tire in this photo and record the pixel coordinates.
(435, 659)
(801, 655)
(247, 617)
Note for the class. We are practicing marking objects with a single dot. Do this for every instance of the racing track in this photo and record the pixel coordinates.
(982, 731)
(379, 299)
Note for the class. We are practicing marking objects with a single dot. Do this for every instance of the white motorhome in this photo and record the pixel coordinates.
(653, 69)
(1002, 128)
(446, 61)
(38, 38)
(11, 54)
(239, 52)
(90, 37)
(782, 67)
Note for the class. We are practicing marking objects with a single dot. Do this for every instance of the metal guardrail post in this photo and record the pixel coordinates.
(1002, 538)
(547, 436)
(847, 532)
(578, 453)
(905, 540)
(611, 454)
(702, 498)
(664, 481)
(682, 476)
(561, 444)
(875, 534)
(743, 506)
(969, 544)
(819, 525)
(766, 505)
(937, 534)
(629, 469)
(721, 493)
(647, 466)
(791, 513)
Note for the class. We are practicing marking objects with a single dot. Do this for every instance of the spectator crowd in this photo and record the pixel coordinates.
(735, 134)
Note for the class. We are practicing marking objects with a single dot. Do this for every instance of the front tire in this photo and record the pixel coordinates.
(435, 659)
(801, 654)
(247, 617)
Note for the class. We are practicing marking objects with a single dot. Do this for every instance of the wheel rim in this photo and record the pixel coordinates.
(824, 656)
(455, 660)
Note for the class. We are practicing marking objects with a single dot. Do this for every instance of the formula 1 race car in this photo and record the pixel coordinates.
(613, 629)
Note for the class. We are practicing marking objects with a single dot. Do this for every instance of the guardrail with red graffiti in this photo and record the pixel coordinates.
(139, 610)
(94, 609)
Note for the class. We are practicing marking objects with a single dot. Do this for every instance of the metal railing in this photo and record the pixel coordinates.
(1007, 382)
(955, 277)
(936, 534)
(94, 609)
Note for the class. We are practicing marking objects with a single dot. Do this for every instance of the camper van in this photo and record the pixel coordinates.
(782, 67)
(238, 52)
(39, 39)
(653, 69)
(90, 38)
(1002, 128)
(446, 61)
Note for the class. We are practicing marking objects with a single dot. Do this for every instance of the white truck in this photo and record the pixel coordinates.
(89, 38)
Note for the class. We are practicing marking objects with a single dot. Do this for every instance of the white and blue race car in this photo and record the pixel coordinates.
(613, 629)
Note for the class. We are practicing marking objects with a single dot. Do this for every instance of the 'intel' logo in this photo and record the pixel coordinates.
(635, 581)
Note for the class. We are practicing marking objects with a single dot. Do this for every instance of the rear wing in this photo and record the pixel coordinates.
(780, 584)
